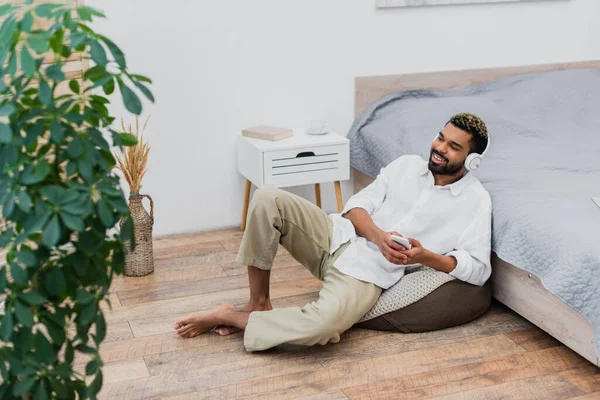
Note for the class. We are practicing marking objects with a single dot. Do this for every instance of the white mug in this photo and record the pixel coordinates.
(318, 125)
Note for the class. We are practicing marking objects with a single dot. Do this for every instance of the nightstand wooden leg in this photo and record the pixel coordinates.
(246, 201)
(318, 194)
(338, 196)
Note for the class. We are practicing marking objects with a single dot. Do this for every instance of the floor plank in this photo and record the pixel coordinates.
(368, 370)
(177, 289)
(125, 370)
(533, 339)
(586, 378)
(200, 379)
(470, 376)
(161, 277)
(539, 388)
(193, 238)
(119, 331)
(188, 250)
(193, 262)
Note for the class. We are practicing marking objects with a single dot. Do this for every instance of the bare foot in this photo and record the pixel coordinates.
(228, 330)
(196, 324)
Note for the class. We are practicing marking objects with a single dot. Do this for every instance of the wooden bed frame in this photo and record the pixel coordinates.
(517, 289)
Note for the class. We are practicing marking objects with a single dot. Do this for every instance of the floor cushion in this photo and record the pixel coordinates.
(451, 302)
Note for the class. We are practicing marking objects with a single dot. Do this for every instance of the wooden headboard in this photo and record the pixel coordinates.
(369, 89)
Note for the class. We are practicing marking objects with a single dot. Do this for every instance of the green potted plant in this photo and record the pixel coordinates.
(59, 197)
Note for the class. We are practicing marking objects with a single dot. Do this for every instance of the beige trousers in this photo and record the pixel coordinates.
(304, 230)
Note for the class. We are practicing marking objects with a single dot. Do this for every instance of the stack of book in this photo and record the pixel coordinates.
(267, 132)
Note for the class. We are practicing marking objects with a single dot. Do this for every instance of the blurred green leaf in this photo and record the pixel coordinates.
(6, 327)
(100, 328)
(69, 353)
(23, 387)
(27, 257)
(33, 298)
(12, 64)
(127, 232)
(5, 133)
(19, 274)
(144, 90)
(128, 139)
(24, 314)
(92, 367)
(3, 278)
(27, 63)
(44, 10)
(74, 86)
(141, 78)
(91, 11)
(56, 332)
(105, 214)
(5, 9)
(75, 148)
(115, 51)
(56, 41)
(98, 53)
(95, 385)
(55, 72)
(45, 92)
(55, 281)
(38, 45)
(72, 222)
(42, 392)
(131, 100)
(24, 201)
(56, 131)
(51, 233)
(44, 352)
(85, 169)
(27, 22)
(84, 297)
(53, 193)
(87, 314)
(7, 109)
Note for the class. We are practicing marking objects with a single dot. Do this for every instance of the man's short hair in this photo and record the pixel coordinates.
(475, 126)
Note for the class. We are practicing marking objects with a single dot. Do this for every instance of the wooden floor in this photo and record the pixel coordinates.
(498, 356)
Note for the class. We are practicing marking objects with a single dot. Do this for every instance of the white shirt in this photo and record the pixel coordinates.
(453, 220)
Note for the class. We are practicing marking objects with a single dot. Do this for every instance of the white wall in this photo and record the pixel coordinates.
(220, 66)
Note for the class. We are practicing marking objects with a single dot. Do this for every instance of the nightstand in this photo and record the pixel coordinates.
(298, 160)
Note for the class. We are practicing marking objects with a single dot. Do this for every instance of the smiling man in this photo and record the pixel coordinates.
(441, 208)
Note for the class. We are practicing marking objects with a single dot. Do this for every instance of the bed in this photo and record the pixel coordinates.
(530, 288)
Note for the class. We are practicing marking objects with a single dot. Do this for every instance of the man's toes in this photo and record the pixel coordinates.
(183, 330)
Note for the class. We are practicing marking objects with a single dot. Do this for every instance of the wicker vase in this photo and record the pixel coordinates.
(140, 262)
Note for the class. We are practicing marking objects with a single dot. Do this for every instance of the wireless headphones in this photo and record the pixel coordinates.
(474, 160)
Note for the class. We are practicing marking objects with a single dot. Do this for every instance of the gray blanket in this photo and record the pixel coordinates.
(541, 171)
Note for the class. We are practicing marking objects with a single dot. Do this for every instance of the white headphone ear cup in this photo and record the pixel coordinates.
(473, 161)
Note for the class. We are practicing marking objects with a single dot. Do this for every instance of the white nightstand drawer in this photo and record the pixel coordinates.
(306, 165)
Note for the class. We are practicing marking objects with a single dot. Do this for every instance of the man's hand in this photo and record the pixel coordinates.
(392, 251)
(417, 254)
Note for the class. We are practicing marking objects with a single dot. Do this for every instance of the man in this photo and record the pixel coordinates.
(437, 201)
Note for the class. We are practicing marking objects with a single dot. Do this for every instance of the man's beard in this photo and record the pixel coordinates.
(444, 169)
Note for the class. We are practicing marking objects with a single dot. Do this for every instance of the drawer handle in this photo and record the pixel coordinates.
(306, 154)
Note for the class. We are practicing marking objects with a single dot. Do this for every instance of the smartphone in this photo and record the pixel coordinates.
(400, 240)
